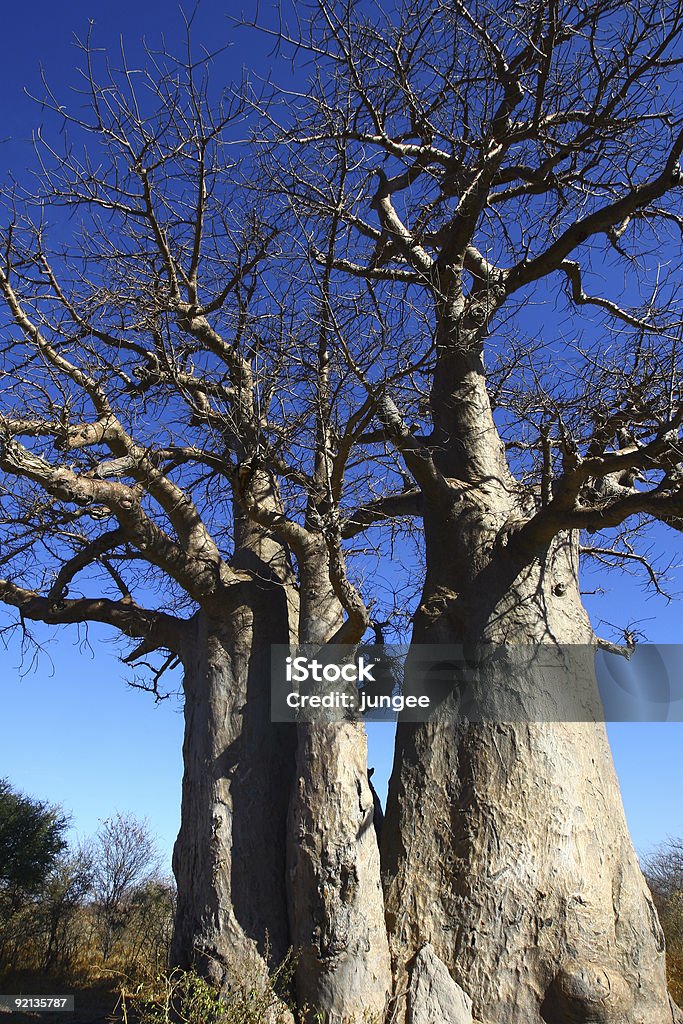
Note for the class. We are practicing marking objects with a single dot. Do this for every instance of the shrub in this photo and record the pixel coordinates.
(183, 997)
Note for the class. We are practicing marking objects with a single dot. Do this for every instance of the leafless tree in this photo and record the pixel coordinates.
(251, 362)
(125, 859)
(175, 437)
(514, 174)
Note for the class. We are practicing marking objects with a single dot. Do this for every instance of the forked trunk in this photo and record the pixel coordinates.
(230, 856)
(504, 843)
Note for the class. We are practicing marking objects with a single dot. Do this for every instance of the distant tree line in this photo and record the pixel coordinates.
(79, 911)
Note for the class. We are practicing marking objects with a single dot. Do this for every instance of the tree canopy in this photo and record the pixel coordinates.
(211, 305)
(31, 839)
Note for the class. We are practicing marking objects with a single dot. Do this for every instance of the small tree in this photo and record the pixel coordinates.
(125, 861)
(149, 927)
(59, 909)
(31, 840)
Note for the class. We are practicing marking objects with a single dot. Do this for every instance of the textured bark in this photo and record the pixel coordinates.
(335, 894)
(505, 845)
(253, 884)
(336, 905)
(230, 856)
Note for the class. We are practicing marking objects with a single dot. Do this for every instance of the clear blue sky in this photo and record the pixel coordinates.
(74, 733)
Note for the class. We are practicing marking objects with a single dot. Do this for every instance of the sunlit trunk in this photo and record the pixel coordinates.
(229, 858)
(504, 843)
(335, 894)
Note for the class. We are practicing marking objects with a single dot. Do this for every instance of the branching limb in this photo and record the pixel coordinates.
(600, 221)
(380, 511)
(157, 628)
(573, 271)
(623, 651)
(609, 555)
(268, 516)
(357, 614)
(201, 576)
(90, 553)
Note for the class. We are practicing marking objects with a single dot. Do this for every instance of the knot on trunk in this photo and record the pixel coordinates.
(440, 609)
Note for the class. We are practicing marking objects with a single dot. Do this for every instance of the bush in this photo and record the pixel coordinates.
(183, 997)
(101, 911)
(31, 842)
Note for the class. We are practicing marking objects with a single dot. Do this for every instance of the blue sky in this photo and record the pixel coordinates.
(71, 731)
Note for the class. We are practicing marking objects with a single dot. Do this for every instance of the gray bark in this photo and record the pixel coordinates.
(336, 901)
(433, 997)
(254, 883)
(230, 856)
(335, 894)
(505, 845)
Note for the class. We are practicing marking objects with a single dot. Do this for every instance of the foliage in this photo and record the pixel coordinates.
(56, 912)
(31, 838)
(183, 997)
(101, 909)
(31, 843)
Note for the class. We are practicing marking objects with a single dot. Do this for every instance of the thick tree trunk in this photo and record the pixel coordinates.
(230, 856)
(335, 894)
(505, 844)
(336, 900)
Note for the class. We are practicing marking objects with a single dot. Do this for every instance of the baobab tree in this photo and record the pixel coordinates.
(233, 362)
(472, 160)
(167, 452)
